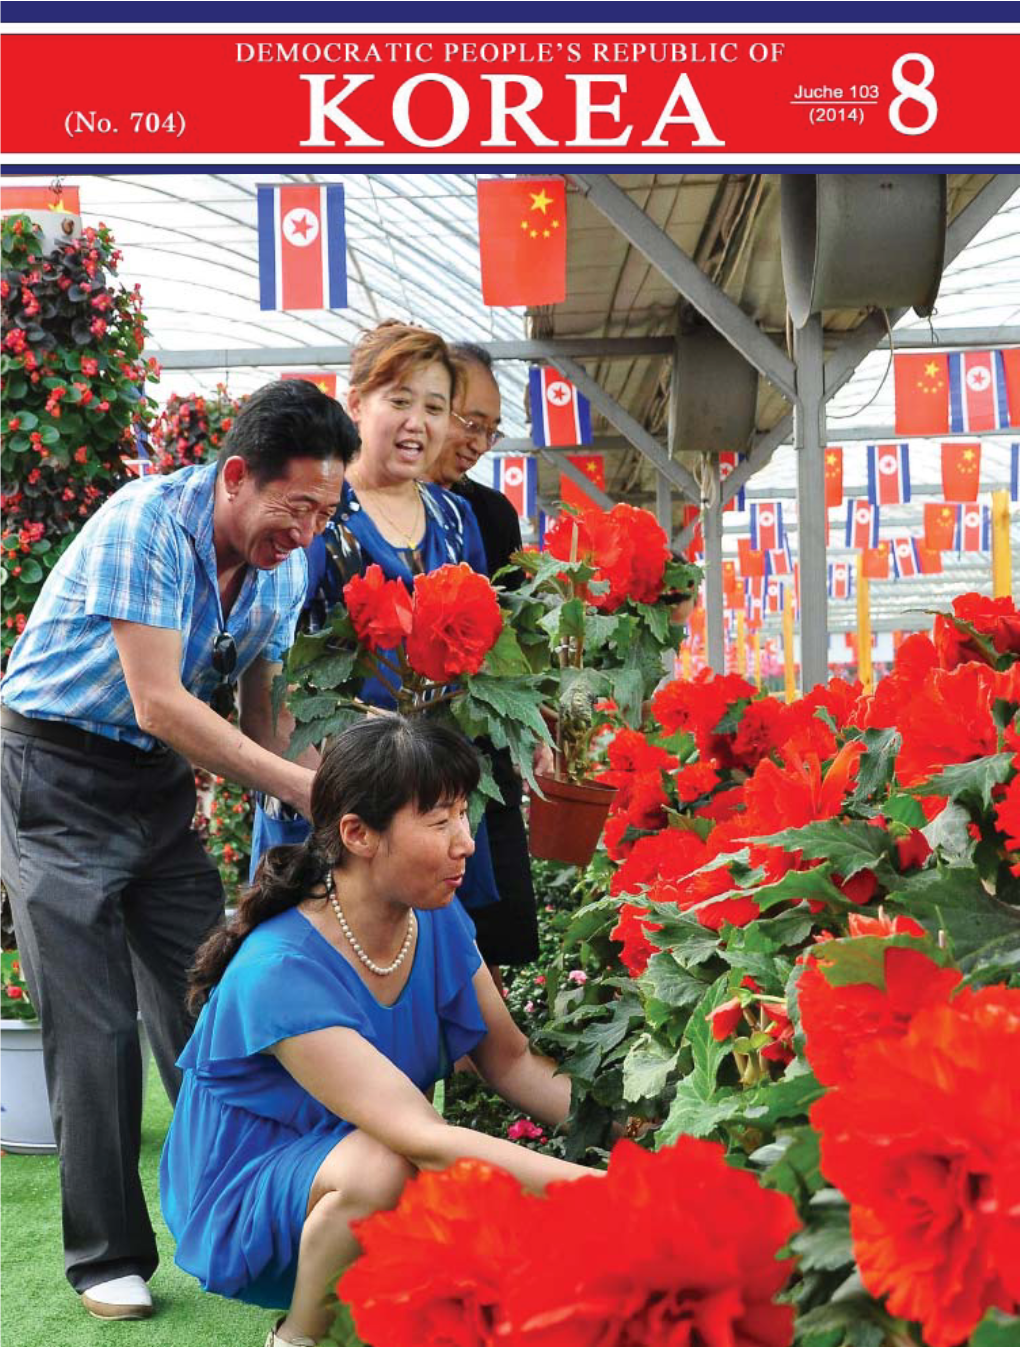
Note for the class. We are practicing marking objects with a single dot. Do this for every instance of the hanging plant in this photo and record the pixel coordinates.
(71, 361)
(190, 428)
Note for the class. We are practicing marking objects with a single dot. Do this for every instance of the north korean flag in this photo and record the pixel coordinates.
(755, 610)
(861, 524)
(905, 560)
(841, 580)
(142, 465)
(517, 477)
(973, 528)
(775, 594)
(977, 391)
(727, 462)
(767, 525)
(888, 474)
(778, 561)
(302, 247)
(559, 413)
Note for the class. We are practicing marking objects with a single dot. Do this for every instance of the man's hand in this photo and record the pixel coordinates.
(543, 762)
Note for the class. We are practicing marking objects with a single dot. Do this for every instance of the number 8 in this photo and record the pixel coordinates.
(913, 93)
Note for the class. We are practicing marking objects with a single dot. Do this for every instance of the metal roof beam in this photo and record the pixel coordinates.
(631, 429)
(581, 348)
(689, 280)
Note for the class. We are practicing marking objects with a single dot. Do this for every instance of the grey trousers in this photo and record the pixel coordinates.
(112, 893)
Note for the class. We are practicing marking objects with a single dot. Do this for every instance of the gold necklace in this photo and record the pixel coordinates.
(409, 539)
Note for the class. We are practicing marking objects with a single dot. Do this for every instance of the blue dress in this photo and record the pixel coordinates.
(246, 1140)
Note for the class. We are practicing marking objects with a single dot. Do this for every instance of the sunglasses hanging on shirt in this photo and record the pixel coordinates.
(224, 662)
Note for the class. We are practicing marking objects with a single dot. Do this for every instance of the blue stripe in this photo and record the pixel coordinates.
(267, 247)
(874, 527)
(954, 362)
(530, 487)
(336, 241)
(318, 11)
(872, 475)
(905, 470)
(1001, 400)
(536, 394)
(583, 418)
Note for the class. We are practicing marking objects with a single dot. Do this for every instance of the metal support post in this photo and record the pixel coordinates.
(715, 643)
(809, 440)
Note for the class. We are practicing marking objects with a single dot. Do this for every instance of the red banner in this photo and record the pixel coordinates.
(541, 96)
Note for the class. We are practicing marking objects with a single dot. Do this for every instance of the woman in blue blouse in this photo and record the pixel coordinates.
(402, 384)
(342, 990)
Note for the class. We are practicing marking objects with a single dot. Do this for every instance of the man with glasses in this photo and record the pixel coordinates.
(508, 930)
(178, 592)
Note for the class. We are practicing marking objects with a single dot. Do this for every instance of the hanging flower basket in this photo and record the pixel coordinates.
(567, 824)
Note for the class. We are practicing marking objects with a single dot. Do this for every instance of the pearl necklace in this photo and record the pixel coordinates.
(370, 964)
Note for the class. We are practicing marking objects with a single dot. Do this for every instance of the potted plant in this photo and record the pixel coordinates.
(25, 1126)
(442, 649)
(598, 610)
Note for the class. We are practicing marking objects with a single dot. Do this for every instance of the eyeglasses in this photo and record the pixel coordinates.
(477, 431)
(224, 662)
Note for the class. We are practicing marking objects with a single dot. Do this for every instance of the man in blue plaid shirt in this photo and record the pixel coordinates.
(177, 590)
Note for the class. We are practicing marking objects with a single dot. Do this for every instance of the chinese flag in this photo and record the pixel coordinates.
(961, 469)
(875, 562)
(594, 468)
(325, 383)
(929, 561)
(751, 563)
(939, 526)
(833, 476)
(690, 515)
(13, 199)
(734, 597)
(522, 240)
(729, 577)
(922, 393)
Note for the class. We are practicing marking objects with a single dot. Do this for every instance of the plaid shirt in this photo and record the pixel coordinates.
(146, 556)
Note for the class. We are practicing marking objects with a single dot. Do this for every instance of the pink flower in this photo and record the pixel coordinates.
(524, 1129)
(577, 975)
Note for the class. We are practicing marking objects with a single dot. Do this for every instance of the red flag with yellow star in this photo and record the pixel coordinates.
(594, 468)
(875, 562)
(922, 393)
(939, 526)
(324, 382)
(522, 240)
(961, 470)
(40, 198)
(833, 476)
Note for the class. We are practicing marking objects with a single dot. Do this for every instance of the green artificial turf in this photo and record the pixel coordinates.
(39, 1309)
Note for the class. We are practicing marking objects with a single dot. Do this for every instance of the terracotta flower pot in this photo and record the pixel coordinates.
(567, 824)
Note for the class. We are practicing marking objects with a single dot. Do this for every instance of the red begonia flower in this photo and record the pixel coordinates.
(457, 621)
(380, 609)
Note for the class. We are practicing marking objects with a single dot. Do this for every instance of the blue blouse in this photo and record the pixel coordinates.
(246, 1140)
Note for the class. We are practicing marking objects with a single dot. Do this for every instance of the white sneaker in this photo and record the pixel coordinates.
(120, 1298)
(274, 1339)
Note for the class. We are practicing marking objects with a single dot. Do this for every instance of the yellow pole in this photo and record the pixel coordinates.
(741, 642)
(685, 661)
(789, 673)
(1002, 579)
(864, 670)
(756, 647)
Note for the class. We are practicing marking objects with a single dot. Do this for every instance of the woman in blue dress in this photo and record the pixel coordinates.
(345, 986)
